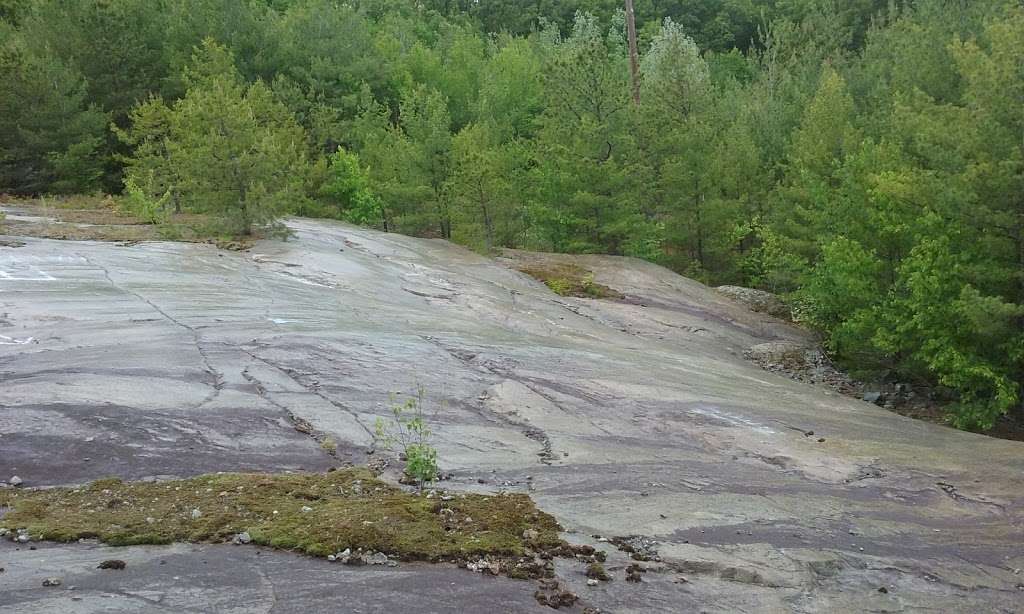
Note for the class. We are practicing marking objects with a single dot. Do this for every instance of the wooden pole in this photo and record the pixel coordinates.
(634, 54)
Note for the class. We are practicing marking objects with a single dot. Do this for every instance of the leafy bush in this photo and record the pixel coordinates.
(408, 430)
(139, 203)
(347, 188)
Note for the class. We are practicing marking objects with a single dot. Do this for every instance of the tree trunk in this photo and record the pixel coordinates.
(698, 205)
(488, 228)
(1020, 283)
(1020, 301)
(488, 223)
(634, 54)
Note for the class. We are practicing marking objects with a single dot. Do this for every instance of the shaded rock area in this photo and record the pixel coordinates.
(636, 417)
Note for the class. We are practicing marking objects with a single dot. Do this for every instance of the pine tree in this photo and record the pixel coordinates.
(230, 150)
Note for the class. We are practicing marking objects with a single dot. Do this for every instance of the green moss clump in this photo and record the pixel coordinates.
(318, 514)
(596, 571)
(570, 280)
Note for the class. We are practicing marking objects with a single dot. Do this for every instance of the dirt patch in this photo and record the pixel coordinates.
(569, 280)
(100, 218)
(74, 232)
(108, 216)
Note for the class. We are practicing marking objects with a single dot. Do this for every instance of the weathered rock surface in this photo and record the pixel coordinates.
(232, 580)
(757, 300)
(802, 361)
(636, 418)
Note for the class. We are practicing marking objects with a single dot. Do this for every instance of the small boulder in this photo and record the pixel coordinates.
(242, 538)
(633, 573)
(112, 564)
(52, 582)
(15, 481)
(757, 300)
(874, 397)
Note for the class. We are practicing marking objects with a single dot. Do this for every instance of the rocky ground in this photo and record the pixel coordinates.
(711, 484)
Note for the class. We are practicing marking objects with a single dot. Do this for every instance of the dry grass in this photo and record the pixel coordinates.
(71, 232)
(100, 218)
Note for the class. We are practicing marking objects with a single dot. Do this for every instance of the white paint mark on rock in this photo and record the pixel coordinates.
(731, 419)
(5, 340)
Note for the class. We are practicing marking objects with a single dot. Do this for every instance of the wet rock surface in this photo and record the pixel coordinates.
(191, 578)
(638, 417)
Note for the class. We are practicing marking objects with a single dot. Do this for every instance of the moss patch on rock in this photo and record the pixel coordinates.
(570, 280)
(318, 514)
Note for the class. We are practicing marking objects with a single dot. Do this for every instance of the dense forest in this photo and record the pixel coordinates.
(863, 158)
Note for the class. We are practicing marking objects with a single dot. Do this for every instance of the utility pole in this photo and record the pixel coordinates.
(634, 55)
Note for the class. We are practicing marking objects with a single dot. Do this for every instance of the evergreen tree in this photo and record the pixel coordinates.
(486, 214)
(228, 149)
(51, 137)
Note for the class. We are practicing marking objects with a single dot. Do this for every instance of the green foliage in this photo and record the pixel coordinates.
(479, 188)
(955, 332)
(426, 124)
(570, 280)
(137, 201)
(917, 236)
(50, 134)
(844, 295)
(226, 149)
(511, 91)
(676, 79)
(409, 431)
(347, 188)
